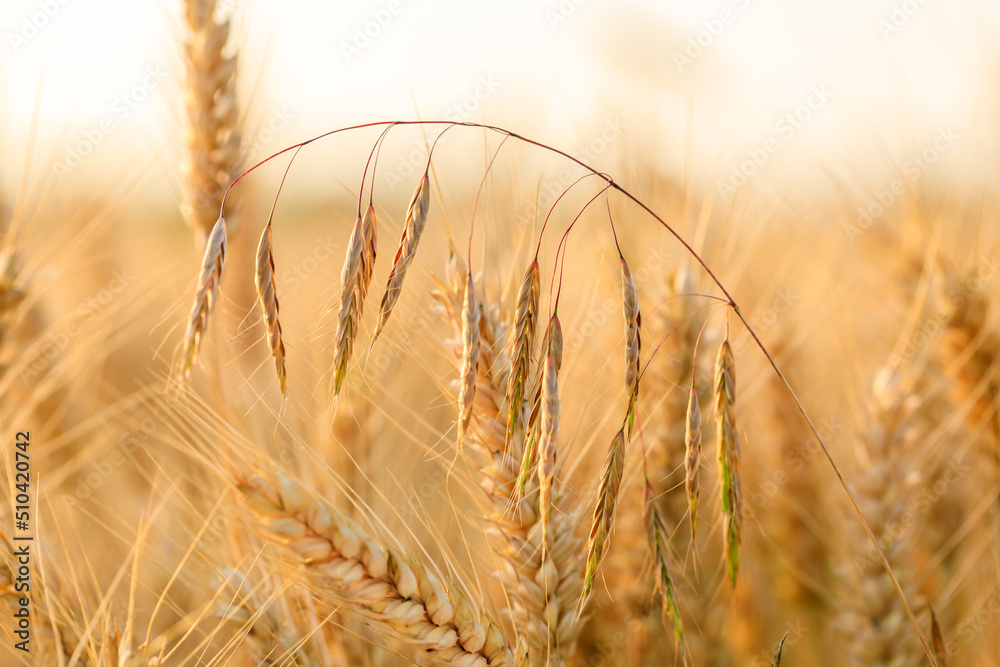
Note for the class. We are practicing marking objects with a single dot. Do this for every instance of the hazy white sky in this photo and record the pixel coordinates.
(726, 72)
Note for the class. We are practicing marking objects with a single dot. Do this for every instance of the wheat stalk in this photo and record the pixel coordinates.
(728, 450)
(413, 229)
(380, 583)
(213, 123)
(267, 296)
(205, 296)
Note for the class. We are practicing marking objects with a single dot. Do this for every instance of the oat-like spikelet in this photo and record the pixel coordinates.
(267, 296)
(728, 450)
(526, 312)
(470, 357)
(658, 536)
(549, 430)
(369, 227)
(208, 290)
(937, 640)
(554, 343)
(213, 135)
(353, 570)
(413, 229)
(692, 457)
(633, 342)
(604, 512)
(349, 313)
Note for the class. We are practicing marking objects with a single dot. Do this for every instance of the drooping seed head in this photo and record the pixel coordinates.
(549, 429)
(205, 296)
(349, 311)
(413, 229)
(633, 324)
(267, 297)
(526, 312)
(659, 539)
(604, 511)
(692, 457)
(470, 357)
(728, 452)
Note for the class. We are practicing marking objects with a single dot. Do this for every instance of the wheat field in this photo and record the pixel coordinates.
(469, 388)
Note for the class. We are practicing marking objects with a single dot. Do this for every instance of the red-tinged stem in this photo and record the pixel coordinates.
(732, 303)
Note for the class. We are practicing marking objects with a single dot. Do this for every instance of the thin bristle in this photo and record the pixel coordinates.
(604, 512)
(413, 229)
(526, 312)
(692, 458)
(207, 293)
(728, 451)
(267, 296)
(349, 313)
(470, 357)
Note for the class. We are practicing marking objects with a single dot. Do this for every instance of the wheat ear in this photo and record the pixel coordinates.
(692, 456)
(381, 583)
(369, 227)
(267, 296)
(349, 313)
(728, 450)
(604, 512)
(413, 229)
(213, 122)
(526, 312)
(777, 654)
(205, 296)
(470, 357)
(554, 343)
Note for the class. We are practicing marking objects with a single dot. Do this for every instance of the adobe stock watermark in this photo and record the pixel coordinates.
(123, 106)
(794, 632)
(587, 153)
(45, 350)
(784, 129)
(33, 23)
(784, 299)
(413, 162)
(366, 33)
(912, 169)
(277, 123)
(562, 12)
(712, 29)
(901, 14)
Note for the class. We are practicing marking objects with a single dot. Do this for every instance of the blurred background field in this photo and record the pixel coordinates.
(835, 164)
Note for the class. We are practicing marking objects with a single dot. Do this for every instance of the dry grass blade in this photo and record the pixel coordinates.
(728, 450)
(374, 581)
(604, 512)
(777, 654)
(213, 116)
(470, 357)
(633, 324)
(208, 290)
(526, 312)
(547, 444)
(267, 296)
(413, 229)
(349, 313)
(659, 537)
(692, 457)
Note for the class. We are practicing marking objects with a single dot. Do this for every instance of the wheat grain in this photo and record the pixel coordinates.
(547, 451)
(658, 536)
(369, 227)
(413, 229)
(267, 296)
(633, 324)
(728, 451)
(205, 297)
